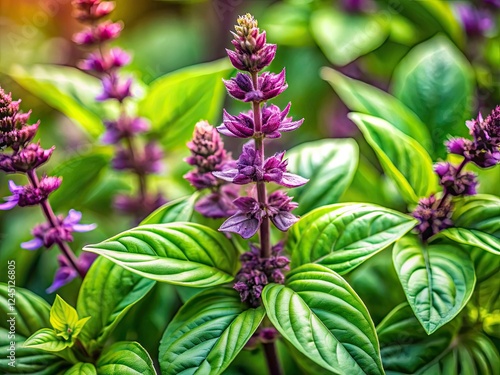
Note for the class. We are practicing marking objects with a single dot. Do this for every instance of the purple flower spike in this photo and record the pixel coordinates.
(66, 273)
(463, 184)
(114, 88)
(279, 206)
(246, 220)
(241, 126)
(270, 86)
(124, 127)
(27, 159)
(432, 219)
(28, 195)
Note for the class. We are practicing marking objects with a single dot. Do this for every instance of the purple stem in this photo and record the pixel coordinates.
(265, 230)
(52, 219)
(272, 359)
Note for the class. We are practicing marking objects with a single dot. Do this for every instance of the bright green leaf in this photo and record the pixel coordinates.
(343, 37)
(401, 157)
(177, 210)
(435, 80)
(82, 369)
(178, 253)
(207, 333)
(361, 97)
(178, 100)
(481, 212)
(62, 315)
(46, 339)
(473, 353)
(322, 317)
(329, 165)
(125, 358)
(107, 293)
(405, 346)
(342, 236)
(438, 280)
(68, 90)
(472, 237)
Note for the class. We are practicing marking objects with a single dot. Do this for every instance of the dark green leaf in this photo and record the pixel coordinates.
(207, 333)
(401, 157)
(178, 100)
(107, 293)
(329, 165)
(68, 90)
(343, 36)
(178, 253)
(361, 97)
(405, 346)
(322, 317)
(435, 80)
(125, 358)
(178, 210)
(438, 280)
(342, 236)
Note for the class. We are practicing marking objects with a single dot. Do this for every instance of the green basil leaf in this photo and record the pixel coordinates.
(178, 253)
(107, 293)
(177, 210)
(70, 91)
(473, 353)
(329, 165)
(438, 280)
(342, 36)
(342, 236)
(322, 317)
(125, 358)
(401, 157)
(207, 333)
(486, 264)
(435, 81)
(472, 237)
(82, 369)
(405, 346)
(178, 100)
(364, 98)
(481, 212)
(47, 340)
(80, 175)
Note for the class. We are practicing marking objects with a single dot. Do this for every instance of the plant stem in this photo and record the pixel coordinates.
(54, 223)
(272, 359)
(265, 230)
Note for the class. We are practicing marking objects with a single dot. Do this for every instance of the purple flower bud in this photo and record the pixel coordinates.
(241, 126)
(279, 206)
(463, 184)
(28, 158)
(432, 219)
(28, 195)
(46, 235)
(85, 37)
(274, 121)
(458, 146)
(115, 88)
(67, 273)
(476, 22)
(115, 58)
(246, 221)
(124, 127)
(218, 204)
(268, 334)
(270, 86)
(108, 31)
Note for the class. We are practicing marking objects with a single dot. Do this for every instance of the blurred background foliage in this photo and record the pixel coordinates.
(363, 39)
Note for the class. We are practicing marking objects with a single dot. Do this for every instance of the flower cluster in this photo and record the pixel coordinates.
(122, 132)
(256, 272)
(208, 155)
(433, 214)
(25, 157)
(477, 20)
(254, 213)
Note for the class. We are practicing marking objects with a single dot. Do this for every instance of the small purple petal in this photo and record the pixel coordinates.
(228, 175)
(84, 227)
(10, 204)
(33, 244)
(245, 225)
(292, 180)
(284, 220)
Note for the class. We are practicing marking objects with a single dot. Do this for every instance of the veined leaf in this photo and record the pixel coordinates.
(361, 97)
(107, 293)
(322, 317)
(125, 358)
(329, 165)
(438, 280)
(47, 340)
(178, 100)
(472, 237)
(68, 90)
(177, 210)
(342, 236)
(82, 369)
(402, 158)
(481, 212)
(178, 253)
(435, 81)
(207, 333)
(405, 346)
